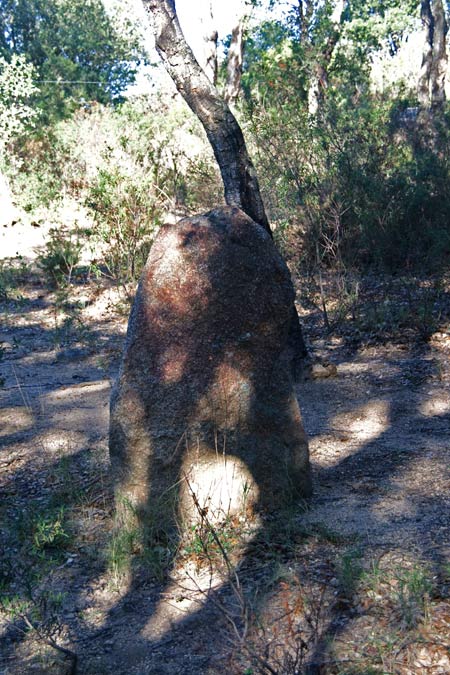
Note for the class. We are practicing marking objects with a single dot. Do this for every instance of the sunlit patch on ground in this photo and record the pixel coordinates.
(15, 420)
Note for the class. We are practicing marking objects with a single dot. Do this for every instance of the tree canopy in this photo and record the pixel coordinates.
(79, 51)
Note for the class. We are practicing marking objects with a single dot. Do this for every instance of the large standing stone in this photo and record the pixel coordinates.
(204, 403)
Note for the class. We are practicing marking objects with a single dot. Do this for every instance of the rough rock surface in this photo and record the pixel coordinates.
(204, 403)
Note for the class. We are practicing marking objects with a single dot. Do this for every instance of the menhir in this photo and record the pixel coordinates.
(204, 417)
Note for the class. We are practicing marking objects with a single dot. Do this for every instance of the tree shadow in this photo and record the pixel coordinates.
(361, 465)
(207, 367)
(373, 474)
(53, 421)
(152, 645)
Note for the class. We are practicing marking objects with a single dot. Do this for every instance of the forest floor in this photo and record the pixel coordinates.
(356, 581)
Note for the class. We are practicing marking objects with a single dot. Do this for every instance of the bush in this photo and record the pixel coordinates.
(61, 255)
(352, 188)
(126, 213)
(132, 165)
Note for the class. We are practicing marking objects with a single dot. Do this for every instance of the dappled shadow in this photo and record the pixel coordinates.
(389, 493)
(53, 456)
(206, 382)
(377, 469)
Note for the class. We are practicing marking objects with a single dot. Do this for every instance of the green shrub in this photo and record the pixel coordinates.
(61, 255)
(352, 188)
(131, 165)
(126, 215)
(50, 531)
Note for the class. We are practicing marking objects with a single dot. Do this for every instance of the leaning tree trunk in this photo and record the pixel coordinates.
(222, 129)
(223, 132)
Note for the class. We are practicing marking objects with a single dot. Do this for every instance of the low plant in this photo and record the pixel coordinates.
(12, 274)
(38, 615)
(127, 213)
(61, 255)
(50, 531)
(349, 572)
(205, 543)
(411, 595)
(140, 542)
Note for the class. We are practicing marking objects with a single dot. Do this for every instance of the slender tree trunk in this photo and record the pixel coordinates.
(423, 88)
(210, 38)
(431, 83)
(234, 62)
(319, 82)
(440, 59)
(305, 13)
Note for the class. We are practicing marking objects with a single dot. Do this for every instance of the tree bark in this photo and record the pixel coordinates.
(440, 59)
(431, 83)
(234, 62)
(224, 133)
(305, 13)
(319, 83)
(423, 88)
(210, 38)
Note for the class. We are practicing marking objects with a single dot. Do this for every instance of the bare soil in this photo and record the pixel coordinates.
(355, 581)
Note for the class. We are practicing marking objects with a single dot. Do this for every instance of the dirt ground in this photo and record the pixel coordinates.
(355, 581)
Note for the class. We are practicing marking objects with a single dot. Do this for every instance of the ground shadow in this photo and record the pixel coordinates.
(418, 522)
(367, 470)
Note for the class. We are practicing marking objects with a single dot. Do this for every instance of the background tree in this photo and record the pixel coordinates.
(209, 61)
(16, 89)
(354, 185)
(431, 84)
(16, 113)
(79, 51)
(357, 185)
(235, 57)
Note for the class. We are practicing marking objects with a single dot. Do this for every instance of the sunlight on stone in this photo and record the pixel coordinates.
(229, 398)
(15, 420)
(173, 254)
(222, 486)
(172, 364)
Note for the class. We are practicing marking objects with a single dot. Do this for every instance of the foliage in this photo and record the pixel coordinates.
(130, 165)
(12, 274)
(16, 88)
(80, 52)
(49, 532)
(61, 255)
(352, 186)
(348, 182)
(412, 593)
